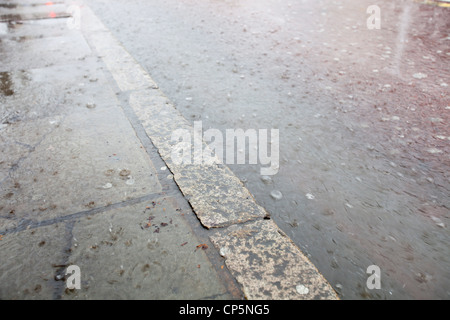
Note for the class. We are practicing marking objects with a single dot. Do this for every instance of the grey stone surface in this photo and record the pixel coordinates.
(143, 251)
(82, 161)
(28, 262)
(217, 195)
(268, 265)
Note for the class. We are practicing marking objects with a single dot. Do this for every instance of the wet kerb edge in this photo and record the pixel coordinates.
(159, 119)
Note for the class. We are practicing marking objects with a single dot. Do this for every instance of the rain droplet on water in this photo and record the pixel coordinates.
(266, 179)
(309, 196)
(277, 195)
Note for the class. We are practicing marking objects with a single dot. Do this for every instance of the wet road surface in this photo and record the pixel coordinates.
(363, 118)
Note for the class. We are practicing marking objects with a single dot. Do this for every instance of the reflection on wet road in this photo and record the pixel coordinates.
(363, 118)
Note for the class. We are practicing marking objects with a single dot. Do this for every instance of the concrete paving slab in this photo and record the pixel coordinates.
(29, 262)
(55, 90)
(34, 29)
(145, 251)
(16, 144)
(141, 251)
(54, 50)
(94, 155)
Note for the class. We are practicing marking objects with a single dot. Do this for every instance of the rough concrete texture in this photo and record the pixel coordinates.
(268, 264)
(142, 252)
(216, 194)
(88, 158)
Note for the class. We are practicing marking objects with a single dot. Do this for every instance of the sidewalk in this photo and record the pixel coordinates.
(86, 179)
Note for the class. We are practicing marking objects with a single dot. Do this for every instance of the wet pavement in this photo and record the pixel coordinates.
(363, 118)
(79, 187)
(86, 180)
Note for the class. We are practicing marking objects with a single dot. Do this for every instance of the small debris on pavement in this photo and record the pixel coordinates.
(204, 246)
(90, 204)
(124, 173)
